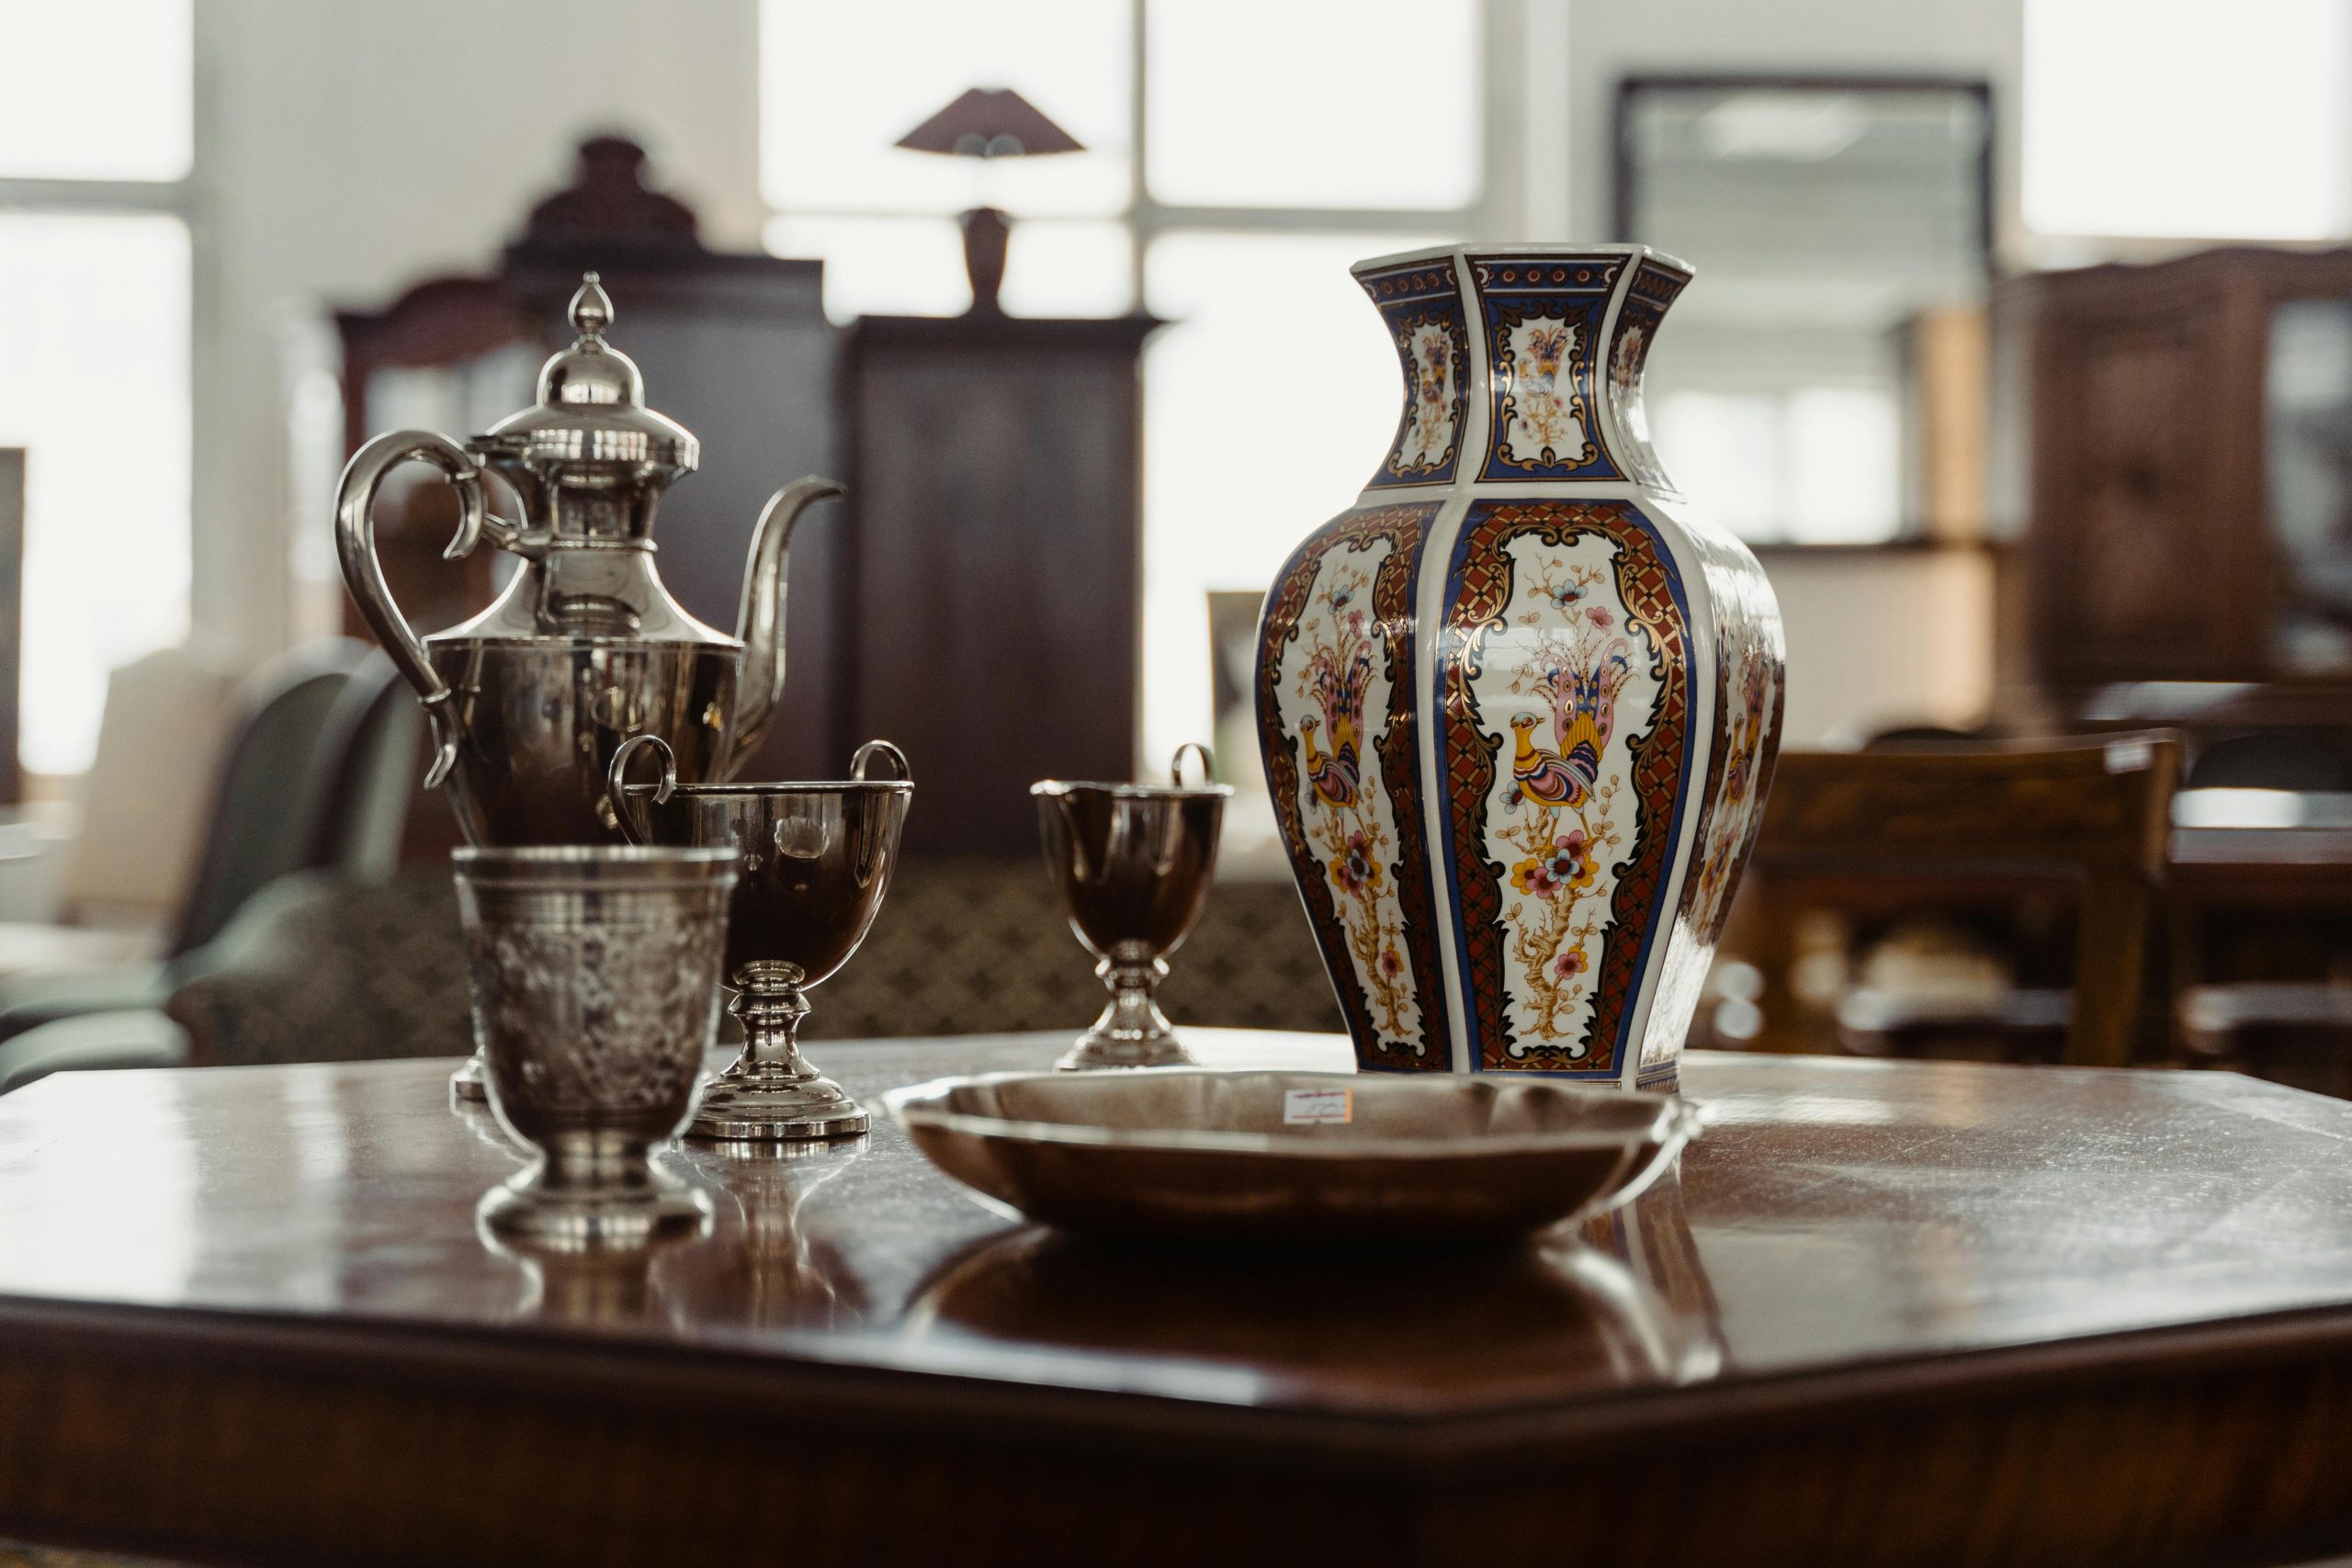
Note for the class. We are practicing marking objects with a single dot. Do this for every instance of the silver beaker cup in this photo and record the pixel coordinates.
(595, 996)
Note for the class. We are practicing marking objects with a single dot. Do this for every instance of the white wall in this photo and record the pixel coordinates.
(1880, 638)
(345, 149)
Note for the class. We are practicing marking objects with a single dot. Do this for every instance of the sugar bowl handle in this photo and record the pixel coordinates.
(862, 760)
(355, 544)
(617, 789)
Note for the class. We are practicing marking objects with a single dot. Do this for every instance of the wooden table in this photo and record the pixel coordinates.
(1890, 1313)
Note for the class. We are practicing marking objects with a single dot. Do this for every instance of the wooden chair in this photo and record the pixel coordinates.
(1905, 827)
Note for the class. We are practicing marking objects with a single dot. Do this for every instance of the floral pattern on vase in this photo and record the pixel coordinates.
(1336, 718)
(1534, 879)
(1422, 307)
(1565, 688)
(1542, 320)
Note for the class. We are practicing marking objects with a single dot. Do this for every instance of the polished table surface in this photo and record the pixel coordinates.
(1886, 1312)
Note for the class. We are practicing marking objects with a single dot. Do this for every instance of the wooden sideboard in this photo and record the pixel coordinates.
(992, 610)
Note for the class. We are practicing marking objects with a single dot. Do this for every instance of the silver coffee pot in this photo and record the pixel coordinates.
(584, 648)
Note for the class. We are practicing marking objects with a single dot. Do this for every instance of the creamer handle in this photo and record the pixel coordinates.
(865, 758)
(617, 787)
(1176, 764)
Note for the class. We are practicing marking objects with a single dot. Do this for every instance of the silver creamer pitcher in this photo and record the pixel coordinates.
(584, 648)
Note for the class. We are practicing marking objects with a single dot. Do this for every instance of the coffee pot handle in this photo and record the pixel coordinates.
(617, 788)
(355, 544)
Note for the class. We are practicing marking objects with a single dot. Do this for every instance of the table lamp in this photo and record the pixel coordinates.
(987, 123)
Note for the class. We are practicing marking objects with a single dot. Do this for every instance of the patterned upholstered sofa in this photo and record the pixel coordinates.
(321, 969)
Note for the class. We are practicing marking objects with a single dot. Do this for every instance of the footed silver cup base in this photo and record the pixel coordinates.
(531, 1214)
(469, 1084)
(1099, 1048)
(754, 1109)
(771, 1094)
(1132, 1031)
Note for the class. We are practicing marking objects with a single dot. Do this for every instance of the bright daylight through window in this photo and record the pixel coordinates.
(2150, 116)
(1257, 185)
(95, 126)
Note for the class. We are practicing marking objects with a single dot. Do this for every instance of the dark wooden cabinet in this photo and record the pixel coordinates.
(2182, 525)
(991, 611)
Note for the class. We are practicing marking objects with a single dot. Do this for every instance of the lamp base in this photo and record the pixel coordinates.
(986, 231)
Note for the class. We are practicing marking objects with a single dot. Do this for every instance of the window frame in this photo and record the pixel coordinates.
(1624, 192)
(1623, 184)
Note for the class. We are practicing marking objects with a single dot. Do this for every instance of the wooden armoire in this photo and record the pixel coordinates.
(2187, 428)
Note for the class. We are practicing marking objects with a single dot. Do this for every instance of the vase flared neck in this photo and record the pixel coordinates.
(1523, 365)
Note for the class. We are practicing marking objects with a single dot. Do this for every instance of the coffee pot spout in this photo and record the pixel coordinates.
(760, 624)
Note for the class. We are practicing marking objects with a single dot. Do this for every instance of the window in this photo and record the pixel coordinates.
(1816, 464)
(96, 144)
(2162, 118)
(1829, 218)
(1269, 154)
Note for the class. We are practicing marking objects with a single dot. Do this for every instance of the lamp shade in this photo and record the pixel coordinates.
(991, 122)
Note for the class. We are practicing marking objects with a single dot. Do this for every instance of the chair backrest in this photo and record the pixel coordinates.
(263, 807)
(165, 725)
(2097, 811)
(371, 763)
(2277, 760)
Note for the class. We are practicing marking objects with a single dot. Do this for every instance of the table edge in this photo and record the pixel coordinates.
(662, 1375)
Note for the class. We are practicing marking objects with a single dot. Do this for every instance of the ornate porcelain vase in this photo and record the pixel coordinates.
(1518, 705)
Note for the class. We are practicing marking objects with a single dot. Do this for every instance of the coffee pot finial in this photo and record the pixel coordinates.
(591, 310)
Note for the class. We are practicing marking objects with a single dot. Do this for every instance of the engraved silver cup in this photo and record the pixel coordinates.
(1133, 864)
(596, 975)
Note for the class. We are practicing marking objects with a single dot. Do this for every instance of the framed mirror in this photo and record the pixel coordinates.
(1825, 385)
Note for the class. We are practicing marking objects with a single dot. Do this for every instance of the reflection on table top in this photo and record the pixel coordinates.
(1836, 1215)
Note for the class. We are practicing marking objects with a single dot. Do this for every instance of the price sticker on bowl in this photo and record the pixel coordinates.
(1311, 1107)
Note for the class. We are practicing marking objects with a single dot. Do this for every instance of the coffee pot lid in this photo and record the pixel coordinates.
(592, 404)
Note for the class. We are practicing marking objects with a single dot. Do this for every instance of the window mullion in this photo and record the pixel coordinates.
(97, 196)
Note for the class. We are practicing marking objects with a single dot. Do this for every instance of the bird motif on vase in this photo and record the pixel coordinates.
(1584, 711)
(1546, 346)
(1339, 685)
(1334, 773)
(1548, 777)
